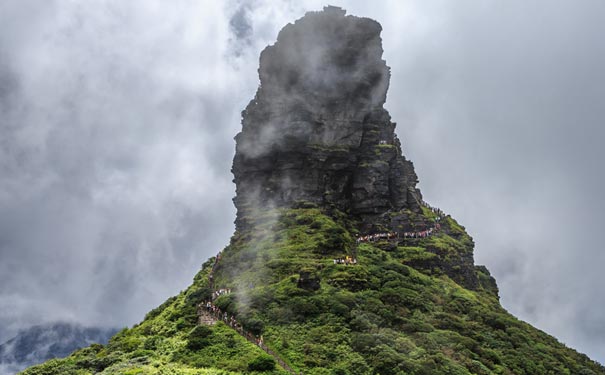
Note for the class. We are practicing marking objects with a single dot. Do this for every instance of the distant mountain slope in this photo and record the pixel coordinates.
(43, 342)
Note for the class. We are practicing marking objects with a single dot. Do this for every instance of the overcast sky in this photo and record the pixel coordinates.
(116, 141)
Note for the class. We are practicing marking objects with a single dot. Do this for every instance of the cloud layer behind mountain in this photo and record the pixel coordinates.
(116, 126)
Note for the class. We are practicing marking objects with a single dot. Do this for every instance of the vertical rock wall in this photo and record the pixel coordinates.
(317, 130)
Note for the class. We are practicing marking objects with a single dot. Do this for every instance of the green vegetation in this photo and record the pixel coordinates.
(381, 149)
(399, 311)
(263, 362)
(329, 148)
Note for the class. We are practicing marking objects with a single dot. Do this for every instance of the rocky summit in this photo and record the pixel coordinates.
(317, 130)
(337, 265)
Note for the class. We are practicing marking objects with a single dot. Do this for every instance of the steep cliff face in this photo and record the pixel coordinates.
(316, 130)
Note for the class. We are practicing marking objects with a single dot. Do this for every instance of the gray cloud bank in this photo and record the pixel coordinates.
(116, 133)
(116, 126)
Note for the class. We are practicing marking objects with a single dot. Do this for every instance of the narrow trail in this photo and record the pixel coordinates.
(209, 314)
(399, 236)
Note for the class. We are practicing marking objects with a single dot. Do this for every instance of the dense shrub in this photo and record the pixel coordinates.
(151, 343)
(198, 338)
(255, 325)
(262, 363)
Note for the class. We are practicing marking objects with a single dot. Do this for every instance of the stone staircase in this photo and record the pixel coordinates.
(205, 317)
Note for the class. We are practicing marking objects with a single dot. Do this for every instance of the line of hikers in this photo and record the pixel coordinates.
(422, 234)
(230, 320)
(218, 314)
(377, 236)
(396, 235)
(346, 260)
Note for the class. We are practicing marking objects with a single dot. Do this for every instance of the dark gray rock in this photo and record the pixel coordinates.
(316, 130)
(455, 259)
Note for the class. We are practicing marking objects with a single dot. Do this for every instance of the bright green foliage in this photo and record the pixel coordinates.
(396, 312)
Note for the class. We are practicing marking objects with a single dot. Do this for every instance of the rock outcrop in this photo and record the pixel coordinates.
(316, 130)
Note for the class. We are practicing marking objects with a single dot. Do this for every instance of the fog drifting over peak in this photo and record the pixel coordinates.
(116, 127)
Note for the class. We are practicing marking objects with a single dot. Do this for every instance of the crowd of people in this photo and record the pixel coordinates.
(208, 313)
(377, 237)
(217, 314)
(423, 233)
(348, 260)
(396, 235)
(418, 234)
(209, 309)
(220, 292)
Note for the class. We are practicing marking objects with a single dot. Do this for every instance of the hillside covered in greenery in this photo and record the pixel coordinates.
(380, 316)
(337, 265)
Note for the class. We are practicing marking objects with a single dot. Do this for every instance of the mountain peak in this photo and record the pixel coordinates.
(337, 265)
(316, 130)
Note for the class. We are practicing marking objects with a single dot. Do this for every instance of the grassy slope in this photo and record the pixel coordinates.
(381, 316)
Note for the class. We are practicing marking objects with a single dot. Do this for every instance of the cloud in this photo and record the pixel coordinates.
(115, 158)
(116, 131)
(240, 26)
